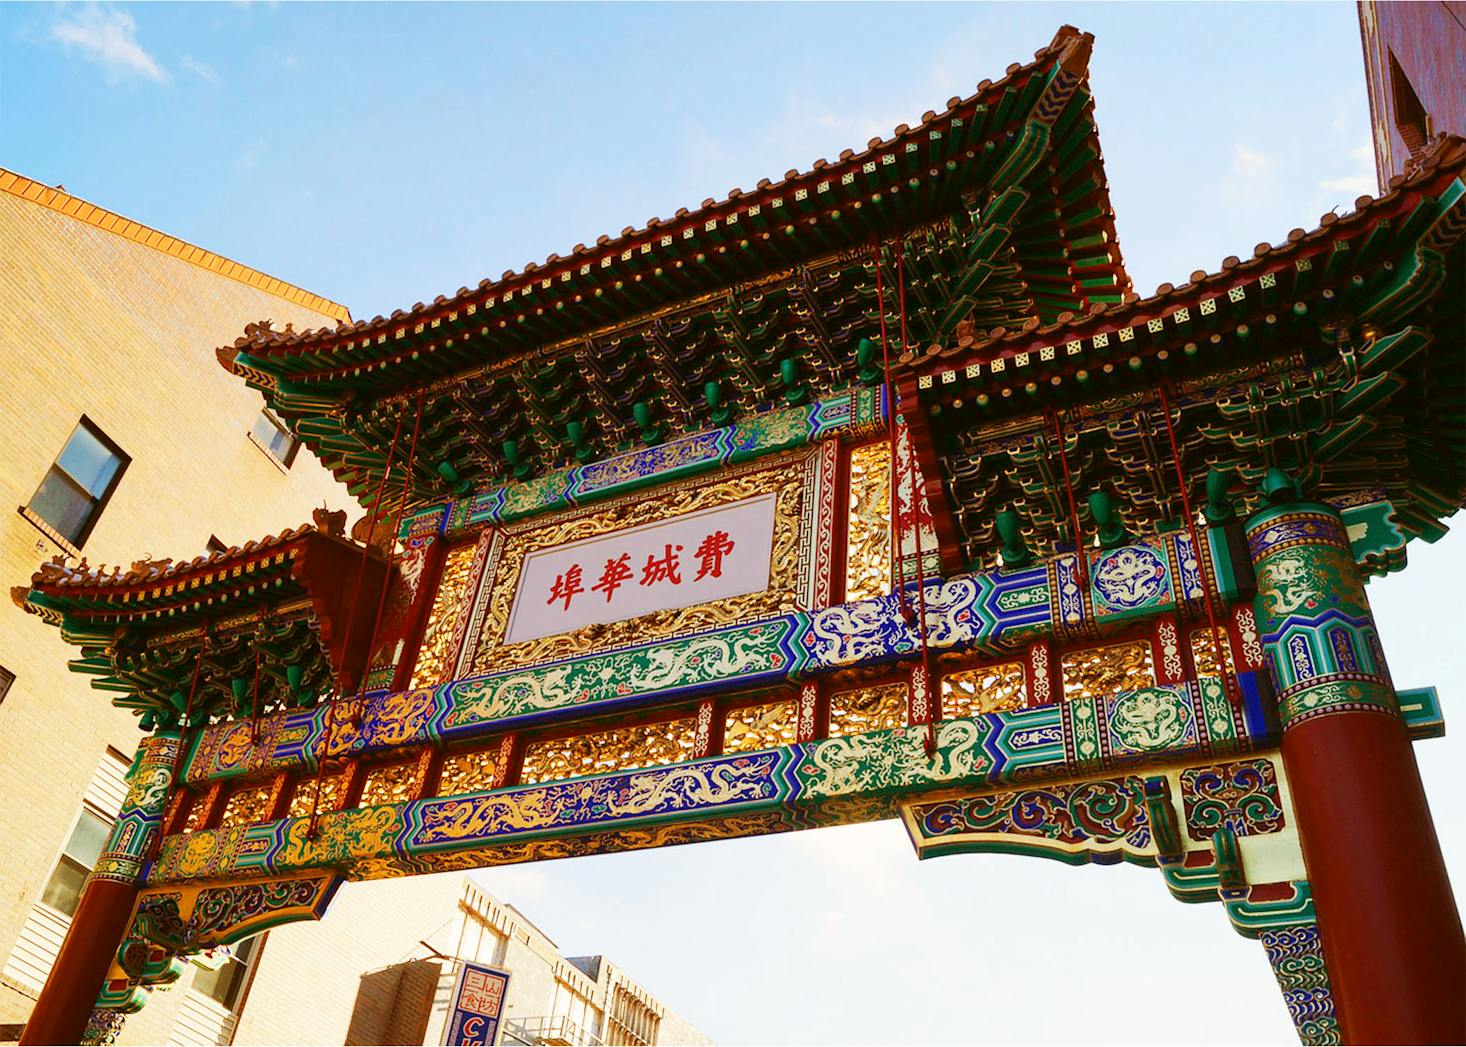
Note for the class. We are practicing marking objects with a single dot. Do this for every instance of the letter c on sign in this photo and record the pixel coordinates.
(473, 1030)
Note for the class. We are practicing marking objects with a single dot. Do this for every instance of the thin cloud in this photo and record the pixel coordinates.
(1362, 180)
(1250, 164)
(107, 37)
(202, 71)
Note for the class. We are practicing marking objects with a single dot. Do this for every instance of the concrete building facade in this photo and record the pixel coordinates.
(390, 979)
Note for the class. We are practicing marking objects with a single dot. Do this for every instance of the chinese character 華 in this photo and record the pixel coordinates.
(617, 571)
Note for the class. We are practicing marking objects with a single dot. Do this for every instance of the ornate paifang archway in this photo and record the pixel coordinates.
(671, 568)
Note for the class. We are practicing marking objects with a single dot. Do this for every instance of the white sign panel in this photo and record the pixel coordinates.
(686, 560)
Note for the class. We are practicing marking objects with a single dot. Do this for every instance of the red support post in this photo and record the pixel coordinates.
(814, 712)
(101, 919)
(1391, 933)
(65, 1005)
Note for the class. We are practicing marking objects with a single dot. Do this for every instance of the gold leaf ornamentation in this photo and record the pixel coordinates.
(1097, 672)
(868, 528)
(784, 478)
(437, 644)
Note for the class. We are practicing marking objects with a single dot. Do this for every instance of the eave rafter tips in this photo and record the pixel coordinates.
(169, 639)
(1111, 326)
(740, 304)
(1336, 355)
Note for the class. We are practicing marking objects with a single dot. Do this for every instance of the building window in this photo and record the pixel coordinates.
(88, 837)
(225, 984)
(77, 486)
(6, 679)
(272, 437)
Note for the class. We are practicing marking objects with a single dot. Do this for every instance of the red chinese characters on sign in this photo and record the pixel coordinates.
(566, 586)
(664, 568)
(482, 993)
(476, 1007)
(712, 554)
(616, 573)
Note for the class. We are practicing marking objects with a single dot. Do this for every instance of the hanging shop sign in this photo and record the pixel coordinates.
(478, 1006)
(691, 559)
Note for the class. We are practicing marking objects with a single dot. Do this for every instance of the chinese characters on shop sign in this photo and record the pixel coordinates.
(686, 560)
(477, 1008)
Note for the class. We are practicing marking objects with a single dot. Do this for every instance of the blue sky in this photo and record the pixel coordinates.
(382, 155)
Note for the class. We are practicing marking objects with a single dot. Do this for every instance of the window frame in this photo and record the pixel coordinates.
(239, 991)
(98, 502)
(283, 464)
(1408, 113)
(83, 809)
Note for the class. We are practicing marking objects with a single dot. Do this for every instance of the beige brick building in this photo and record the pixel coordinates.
(126, 439)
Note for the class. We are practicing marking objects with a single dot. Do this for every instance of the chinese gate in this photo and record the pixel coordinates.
(873, 493)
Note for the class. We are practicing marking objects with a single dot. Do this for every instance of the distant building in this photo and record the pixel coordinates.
(1415, 62)
(395, 948)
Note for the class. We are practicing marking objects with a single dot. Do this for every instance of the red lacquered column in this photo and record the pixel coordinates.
(61, 1012)
(1391, 933)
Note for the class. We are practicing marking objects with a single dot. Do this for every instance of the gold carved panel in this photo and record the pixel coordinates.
(784, 478)
(1100, 671)
(876, 707)
(247, 806)
(437, 643)
(868, 524)
(468, 772)
(988, 689)
(1204, 652)
(333, 792)
(197, 812)
(391, 783)
(622, 749)
(755, 727)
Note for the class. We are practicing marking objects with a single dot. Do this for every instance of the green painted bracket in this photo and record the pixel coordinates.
(1421, 708)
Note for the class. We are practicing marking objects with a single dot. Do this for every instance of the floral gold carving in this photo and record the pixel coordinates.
(391, 783)
(1099, 671)
(434, 656)
(467, 772)
(878, 707)
(622, 749)
(1204, 652)
(333, 791)
(868, 530)
(246, 806)
(756, 727)
(986, 689)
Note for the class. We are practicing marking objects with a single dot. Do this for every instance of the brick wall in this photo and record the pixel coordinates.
(94, 323)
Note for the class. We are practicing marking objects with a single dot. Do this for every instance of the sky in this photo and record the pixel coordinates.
(382, 155)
